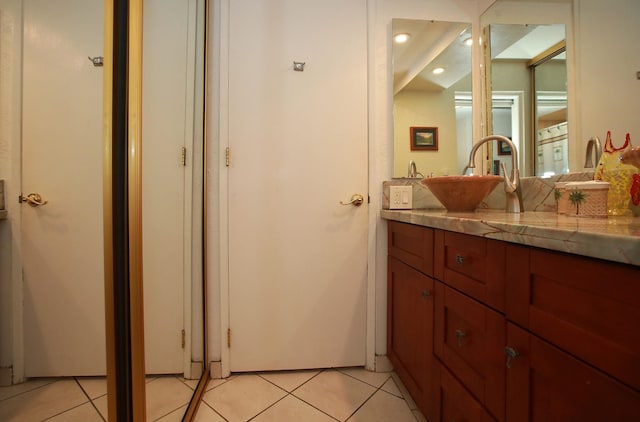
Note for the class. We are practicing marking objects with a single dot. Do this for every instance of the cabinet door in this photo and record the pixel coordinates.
(469, 339)
(588, 307)
(410, 331)
(457, 404)
(546, 384)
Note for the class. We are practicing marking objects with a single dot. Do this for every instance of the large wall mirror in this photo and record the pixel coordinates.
(527, 84)
(52, 286)
(432, 95)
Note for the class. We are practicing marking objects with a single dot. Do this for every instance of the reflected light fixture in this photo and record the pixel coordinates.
(468, 41)
(438, 70)
(401, 38)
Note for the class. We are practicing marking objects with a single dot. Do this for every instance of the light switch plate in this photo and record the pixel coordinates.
(400, 197)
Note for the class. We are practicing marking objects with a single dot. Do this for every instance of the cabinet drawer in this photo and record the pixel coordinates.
(588, 307)
(412, 244)
(471, 264)
(469, 340)
(457, 403)
(546, 384)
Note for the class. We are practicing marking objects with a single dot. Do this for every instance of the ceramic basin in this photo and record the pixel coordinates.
(461, 193)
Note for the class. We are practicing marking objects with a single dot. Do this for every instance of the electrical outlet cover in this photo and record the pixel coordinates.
(400, 197)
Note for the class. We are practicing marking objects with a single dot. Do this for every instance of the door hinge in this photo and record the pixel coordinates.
(229, 338)
(183, 335)
(227, 156)
(183, 156)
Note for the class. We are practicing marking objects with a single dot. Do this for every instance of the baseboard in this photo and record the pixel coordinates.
(383, 364)
(215, 370)
(6, 376)
(195, 371)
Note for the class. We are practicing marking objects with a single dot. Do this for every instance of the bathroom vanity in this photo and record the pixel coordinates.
(515, 317)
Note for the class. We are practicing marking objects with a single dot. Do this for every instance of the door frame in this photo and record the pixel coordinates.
(218, 202)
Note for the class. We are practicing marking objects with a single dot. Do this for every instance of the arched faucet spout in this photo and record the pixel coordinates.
(412, 171)
(593, 144)
(512, 186)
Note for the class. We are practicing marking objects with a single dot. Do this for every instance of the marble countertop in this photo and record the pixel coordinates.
(614, 238)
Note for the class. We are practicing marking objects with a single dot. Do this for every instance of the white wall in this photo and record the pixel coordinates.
(432, 109)
(381, 120)
(607, 59)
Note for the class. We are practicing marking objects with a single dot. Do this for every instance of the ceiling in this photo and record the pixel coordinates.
(440, 44)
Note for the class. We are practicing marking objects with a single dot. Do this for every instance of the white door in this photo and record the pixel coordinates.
(62, 241)
(298, 141)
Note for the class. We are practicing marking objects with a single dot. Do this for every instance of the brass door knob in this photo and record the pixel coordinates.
(33, 199)
(356, 200)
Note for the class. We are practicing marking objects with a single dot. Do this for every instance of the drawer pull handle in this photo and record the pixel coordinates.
(511, 354)
(460, 335)
(425, 293)
(460, 259)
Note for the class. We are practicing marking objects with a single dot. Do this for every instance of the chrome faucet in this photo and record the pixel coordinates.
(593, 144)
(512, 187)
(412, 172)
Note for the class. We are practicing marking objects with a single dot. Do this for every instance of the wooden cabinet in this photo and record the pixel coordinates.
(511, 332)
(456, 402)
(410, 312)
(469, 341)
(412, 245)
(471, 264)
(585, 306)
(545, 384)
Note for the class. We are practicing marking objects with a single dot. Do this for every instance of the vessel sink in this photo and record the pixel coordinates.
(461, 193)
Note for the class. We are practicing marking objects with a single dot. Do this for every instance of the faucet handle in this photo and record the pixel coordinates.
(510, 184)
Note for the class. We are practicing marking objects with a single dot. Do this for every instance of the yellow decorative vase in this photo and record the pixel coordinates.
(619, 176)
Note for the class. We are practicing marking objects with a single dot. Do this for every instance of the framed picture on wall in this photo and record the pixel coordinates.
(504, 148)
(424, 138)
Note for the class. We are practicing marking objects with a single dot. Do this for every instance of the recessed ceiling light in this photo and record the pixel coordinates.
(401, 38)
(467, 41)
(438, 70)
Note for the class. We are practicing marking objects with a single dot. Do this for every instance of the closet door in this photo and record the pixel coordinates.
(298, 142)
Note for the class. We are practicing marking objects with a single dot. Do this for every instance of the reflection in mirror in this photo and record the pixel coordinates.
(529, 96)
(51, 103)
(427, 97)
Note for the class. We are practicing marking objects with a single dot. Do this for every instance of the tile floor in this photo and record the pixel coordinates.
(344, 394)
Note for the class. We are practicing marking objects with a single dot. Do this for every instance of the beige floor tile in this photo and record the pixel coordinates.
(43, 402)
(288, 380)
(103, 406)
(391, 387)
(93, 386)
(375, 379)
(243, 397)
(164, 395)
(175, 416)
(14, 390)
(384, 407)
(404, 392)
(335, 393)
(292, 409)
(192, 384)
(206, 414)
(83, 413)
(213, 383)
